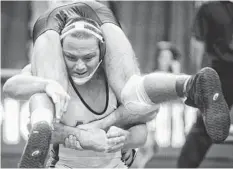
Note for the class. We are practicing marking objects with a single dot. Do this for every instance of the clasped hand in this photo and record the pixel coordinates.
(98, 140)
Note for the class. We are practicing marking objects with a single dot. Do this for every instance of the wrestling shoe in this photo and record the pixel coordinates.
(204, 91)
(37, 147)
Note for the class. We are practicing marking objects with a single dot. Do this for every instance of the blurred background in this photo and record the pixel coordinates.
(148, 25)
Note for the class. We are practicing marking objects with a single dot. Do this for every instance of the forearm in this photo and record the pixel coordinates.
(61, 132)
(125, 119)
(47, 60)
(137, 137)
(23, 87)
(86, 139)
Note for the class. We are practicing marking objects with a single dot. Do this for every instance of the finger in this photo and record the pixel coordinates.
(67, 143)
(115, 148)
(62, 105)
(111, 134)
(58, 110)
(66, 104)
(78, 146)
(73, 141)
(54, 98)
(116, 140)
(67, 97)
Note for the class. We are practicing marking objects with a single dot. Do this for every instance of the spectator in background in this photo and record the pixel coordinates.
(170, 122)
(168, 57)
(213, 38)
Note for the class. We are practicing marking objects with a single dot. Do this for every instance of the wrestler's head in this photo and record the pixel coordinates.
(81, 51)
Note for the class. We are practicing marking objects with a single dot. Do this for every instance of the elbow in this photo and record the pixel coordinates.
(151, 115)
(7, 89)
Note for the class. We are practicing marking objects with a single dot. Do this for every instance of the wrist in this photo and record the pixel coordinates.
(73, 131)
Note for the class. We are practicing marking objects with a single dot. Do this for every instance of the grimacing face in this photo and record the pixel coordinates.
(81, 55)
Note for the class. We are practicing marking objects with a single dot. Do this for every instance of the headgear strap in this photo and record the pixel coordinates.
(82, 26)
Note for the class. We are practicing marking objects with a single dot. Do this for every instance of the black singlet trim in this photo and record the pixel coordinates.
(83, 101)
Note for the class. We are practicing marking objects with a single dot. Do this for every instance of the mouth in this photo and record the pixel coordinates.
(80, 74)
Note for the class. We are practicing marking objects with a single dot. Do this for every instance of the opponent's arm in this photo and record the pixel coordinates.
(97, 140)
(135, 137)
(122, 118)
(87, 139)
(24, 85)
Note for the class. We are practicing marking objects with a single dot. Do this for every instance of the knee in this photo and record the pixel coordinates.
(134, 96)
(151, 115)
(40, 100)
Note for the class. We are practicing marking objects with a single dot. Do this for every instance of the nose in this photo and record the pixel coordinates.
(80, 65)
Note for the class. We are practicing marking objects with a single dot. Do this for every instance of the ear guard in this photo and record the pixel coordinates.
(86, 25)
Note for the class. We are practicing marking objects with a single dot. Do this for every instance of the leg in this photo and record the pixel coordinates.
(37, 148)
(196, 146)
(161, 87)
(202, 90)
(48, 65)
(48, 62)
(51, 64)
(120, 61)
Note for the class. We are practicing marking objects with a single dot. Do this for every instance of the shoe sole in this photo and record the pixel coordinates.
(37, 147)
(216, 111)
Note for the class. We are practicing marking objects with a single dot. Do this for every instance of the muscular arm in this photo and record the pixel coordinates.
(61, 132)
(123, 118)
(88, 139)
(134, 123)
(24, 85)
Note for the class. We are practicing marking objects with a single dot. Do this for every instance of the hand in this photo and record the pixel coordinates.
(71, 142)
(93, 139)
(59, 96)
(117, 138)
(128, 156)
